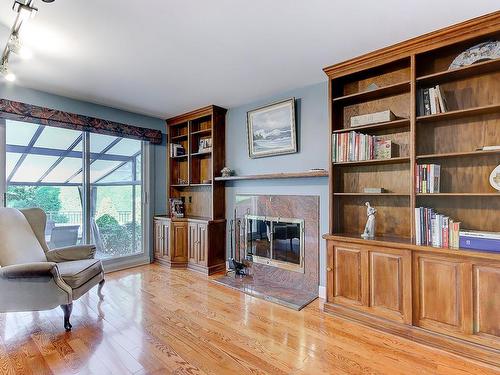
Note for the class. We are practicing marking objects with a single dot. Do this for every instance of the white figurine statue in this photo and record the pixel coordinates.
(370, 222)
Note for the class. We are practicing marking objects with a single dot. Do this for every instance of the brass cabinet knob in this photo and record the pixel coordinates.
(328, 269)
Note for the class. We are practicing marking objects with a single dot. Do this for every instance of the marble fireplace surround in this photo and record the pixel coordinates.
(289, 288)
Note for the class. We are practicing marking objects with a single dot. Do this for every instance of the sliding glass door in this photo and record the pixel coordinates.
(116, 195)
(89, 185)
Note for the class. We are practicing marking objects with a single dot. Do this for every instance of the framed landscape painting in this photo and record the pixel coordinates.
(272, 130)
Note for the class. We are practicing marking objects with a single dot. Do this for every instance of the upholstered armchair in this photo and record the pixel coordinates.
(33, 277)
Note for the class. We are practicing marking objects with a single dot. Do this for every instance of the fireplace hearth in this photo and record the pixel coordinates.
(276, 238)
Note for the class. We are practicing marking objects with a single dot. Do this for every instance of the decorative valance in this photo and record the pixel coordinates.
(18, 111)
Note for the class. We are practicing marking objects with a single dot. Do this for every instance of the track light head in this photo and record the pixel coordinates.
(4, 71)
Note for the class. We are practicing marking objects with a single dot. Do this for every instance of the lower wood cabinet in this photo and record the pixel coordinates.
(441, 298)
(198, 243)
(192, 243)
(375, 280)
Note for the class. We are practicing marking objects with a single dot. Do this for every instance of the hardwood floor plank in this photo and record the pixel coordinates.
(159, 321)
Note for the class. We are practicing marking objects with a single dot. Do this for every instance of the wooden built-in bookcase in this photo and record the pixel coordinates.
(196, 241)
(449, 139)
(448, 298)
(192, 175)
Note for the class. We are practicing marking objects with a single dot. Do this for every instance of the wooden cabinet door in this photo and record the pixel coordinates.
(443, 294)
(202, 244)
(193, 243)
(486, 303)
(390, 284)
(158, 250)
(179, 248)
(350, 276)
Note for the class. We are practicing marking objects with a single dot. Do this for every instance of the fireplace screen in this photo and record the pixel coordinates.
(276, 242)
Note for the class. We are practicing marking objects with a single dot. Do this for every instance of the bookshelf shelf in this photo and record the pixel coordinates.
(389, 90)
(459, 73)
(201, 154)
(179, 137)
(180, 157)
(396, 124)
(395, 160)
(202, 132)
(458, 154)
(461, 113)
(457, 194)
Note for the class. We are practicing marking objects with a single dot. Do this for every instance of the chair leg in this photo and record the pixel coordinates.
(67, 309)
(99, 289)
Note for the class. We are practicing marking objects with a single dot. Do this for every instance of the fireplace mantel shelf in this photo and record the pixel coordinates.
(274, 176)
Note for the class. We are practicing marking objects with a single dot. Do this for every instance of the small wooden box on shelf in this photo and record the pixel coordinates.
(196, 241)
(437, 296)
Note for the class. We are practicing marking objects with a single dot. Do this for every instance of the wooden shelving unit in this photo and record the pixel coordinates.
(437, 296)
(192, 175)
(196, 241)
(449, 139)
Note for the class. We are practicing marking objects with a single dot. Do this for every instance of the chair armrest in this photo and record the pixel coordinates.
(69, 253)
(32, 287)
(29, 270)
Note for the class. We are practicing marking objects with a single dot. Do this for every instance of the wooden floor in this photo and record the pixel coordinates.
(157, 321)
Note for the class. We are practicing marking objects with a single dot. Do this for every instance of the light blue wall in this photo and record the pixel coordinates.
(313, 135)
(158, 179)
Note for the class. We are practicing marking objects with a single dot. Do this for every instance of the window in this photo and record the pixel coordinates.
(44, 167)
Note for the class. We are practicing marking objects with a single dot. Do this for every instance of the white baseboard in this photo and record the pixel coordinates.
(322, 292)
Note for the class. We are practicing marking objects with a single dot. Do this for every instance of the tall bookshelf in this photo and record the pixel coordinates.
(192, 175)
(449, 139)
(446, 298)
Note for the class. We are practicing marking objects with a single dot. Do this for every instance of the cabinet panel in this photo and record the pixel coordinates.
(179, 249)
(157, 239)
(193, 243)
(444, 293)
(202, 244)
(348, 276)
(486, 294)
(165, 240)
(390, 284)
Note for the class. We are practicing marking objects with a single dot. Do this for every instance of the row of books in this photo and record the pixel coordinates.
(431, 101)
(355, 146)
(434, 229)
(427, 178)
(177, 150)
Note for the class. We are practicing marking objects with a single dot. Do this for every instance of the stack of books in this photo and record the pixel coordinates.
(431, 101)
(434, 229)
(177, 150)
(355, 146)
(427, 178)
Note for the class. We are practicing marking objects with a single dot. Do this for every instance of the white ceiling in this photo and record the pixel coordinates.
(164, 57)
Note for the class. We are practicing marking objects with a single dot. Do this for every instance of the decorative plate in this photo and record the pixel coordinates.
(483, 51)
(495, 178)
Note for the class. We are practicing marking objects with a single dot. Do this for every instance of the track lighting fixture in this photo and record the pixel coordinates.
(25, 10)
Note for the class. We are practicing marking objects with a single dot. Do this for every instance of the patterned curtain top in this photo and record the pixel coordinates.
(45, 116)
